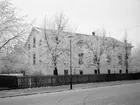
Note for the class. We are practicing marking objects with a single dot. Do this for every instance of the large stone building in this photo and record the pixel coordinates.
(42, 45)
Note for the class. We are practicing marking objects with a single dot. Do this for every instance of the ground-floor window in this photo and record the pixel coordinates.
(81, 72)
(109, 71)
(95, 71)
(120, 71)
(65, 72)
(126, 71)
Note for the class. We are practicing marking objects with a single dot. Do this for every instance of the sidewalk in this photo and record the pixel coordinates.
(41, 90)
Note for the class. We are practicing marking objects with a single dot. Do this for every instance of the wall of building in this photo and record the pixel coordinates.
(43, 58)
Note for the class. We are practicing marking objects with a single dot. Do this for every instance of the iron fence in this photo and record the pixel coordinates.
(43, 81)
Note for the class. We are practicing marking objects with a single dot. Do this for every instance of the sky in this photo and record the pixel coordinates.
(116, 16)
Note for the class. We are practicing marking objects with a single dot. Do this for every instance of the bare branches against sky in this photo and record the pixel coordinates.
(89, 15)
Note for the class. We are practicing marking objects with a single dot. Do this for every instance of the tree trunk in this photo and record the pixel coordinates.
(126, 62)
(55, 69)
(98, 67)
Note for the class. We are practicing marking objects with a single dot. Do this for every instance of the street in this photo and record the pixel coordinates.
(127, 94)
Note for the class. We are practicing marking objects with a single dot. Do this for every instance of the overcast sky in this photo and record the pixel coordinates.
(89, 15)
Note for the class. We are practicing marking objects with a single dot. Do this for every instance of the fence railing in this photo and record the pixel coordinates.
(43, 81)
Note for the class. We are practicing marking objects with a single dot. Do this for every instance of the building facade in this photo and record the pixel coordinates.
(48, 47)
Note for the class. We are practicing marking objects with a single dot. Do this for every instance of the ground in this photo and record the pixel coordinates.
(126, 94)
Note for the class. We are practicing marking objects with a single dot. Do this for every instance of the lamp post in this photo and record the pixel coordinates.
(70, 65)
(71, 61)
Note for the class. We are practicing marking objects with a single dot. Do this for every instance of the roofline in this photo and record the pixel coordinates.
(38, 28)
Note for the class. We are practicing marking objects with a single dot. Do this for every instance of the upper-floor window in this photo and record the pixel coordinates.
(29, 58)
(80, 54)
(120, 60)
(34, 42)
(40, 61)
(29, 46)
(34, 59)
(109, 59)
(81, 58)
(95, 59)
(40, 42)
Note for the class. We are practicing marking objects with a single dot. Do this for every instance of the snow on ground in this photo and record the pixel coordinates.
(127, 94)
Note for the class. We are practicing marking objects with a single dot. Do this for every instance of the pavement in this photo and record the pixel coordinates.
(43, 90)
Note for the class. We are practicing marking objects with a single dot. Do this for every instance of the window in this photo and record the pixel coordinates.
(34, 42)
(29, 58)
(81, 72)
(34, 57)
(29, 46)
(109, 71)
(80, 61)
(65, 72)
(80, 54)
(80, 58)
(109, 59)
(95, 71)
(40, 42)
(120, 60)
(56, 39)
(120, 71)
(126, 71)
(95, 59)
(40, 61)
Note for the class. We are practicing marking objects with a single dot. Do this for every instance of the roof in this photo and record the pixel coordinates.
(38, 29)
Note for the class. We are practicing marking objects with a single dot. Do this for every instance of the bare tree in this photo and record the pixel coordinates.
(126, 55)
(12, 26)
(97, 47)
(55, 39)
(134, 61)
(15, 62)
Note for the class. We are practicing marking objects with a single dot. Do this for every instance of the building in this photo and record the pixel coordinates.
(49, 48)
